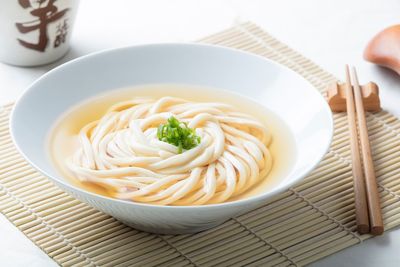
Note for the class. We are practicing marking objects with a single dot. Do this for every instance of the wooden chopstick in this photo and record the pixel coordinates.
(374, 207)
(358, 178)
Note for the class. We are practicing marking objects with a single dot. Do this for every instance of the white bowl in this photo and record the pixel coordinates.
(276, 87)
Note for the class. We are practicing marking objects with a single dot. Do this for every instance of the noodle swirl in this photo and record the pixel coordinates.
(121, 153)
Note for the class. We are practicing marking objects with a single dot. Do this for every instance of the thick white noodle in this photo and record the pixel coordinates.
(121, 153)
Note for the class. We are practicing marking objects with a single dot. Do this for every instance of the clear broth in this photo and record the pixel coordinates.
(63, 140)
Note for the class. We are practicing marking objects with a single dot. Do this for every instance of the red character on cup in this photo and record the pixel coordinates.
(46, 13)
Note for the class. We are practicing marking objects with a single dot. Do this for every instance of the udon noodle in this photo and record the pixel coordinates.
(121, 153)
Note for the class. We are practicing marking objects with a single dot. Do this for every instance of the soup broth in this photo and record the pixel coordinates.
(64, 140)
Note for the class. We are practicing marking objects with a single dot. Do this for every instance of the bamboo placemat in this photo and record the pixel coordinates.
(311, 220)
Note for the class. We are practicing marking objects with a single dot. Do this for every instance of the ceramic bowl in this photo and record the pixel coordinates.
(279, 89)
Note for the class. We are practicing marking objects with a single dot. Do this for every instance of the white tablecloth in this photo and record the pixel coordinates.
(329, 32)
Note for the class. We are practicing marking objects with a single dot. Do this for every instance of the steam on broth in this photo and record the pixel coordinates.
(159, 144)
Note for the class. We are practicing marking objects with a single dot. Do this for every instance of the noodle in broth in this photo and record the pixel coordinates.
(122, 154)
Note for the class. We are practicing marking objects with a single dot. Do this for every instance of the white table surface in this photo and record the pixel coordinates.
(329, 32)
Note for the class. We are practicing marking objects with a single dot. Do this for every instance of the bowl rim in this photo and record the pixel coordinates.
(240, 202)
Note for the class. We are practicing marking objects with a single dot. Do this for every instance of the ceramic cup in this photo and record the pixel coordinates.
(35, 32)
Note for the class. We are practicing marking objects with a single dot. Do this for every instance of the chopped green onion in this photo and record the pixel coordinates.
(178, 134)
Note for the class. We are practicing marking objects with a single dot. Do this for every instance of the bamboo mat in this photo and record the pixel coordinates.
(311, 220)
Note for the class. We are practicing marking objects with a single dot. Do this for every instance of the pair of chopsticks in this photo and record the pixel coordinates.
(368, 209)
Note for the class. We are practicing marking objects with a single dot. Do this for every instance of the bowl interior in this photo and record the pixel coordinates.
(282, 91)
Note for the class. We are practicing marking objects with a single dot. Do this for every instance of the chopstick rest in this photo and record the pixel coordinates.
(355, 99)
(337, 97)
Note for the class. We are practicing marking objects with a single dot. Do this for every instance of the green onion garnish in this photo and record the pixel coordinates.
(178, 134)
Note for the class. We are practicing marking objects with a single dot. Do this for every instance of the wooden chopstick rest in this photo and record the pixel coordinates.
(337, 97)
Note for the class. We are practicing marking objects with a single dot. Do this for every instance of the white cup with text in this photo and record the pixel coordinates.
(35, 32)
